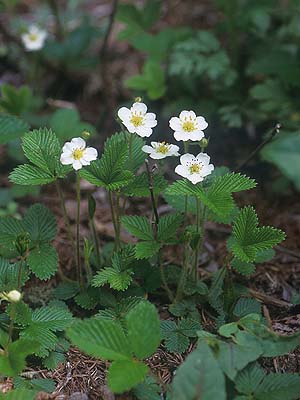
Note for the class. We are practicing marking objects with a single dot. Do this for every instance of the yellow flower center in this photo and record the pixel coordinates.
(77, 154)
(33, 37)
(195, 168)
(137, 120)
(163, 148)
(188, 126)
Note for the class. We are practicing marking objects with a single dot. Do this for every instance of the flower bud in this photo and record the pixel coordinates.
(203, 143)
(14, 296)
(138, 100)
(22, 243)
(86, 135)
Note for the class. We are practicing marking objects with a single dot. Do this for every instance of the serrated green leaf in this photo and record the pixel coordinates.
(123, 375)
(249, 379)
(118, 280)
(11, 128)
(278, 386)
(100, 338)
(40, 223)
(246, 305)
(139, 187)
(143, 329)
(138, 226)
(174, 340)
(53, 318)
(168, 226)
(10, 229)
(19, 394)
(43, 261)
(146, 249)
(46, 339)
(27, 174)
(247, 240)
(243, 267)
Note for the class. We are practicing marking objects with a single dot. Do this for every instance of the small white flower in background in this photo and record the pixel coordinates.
(14, 296)
(34, 38)
(137, 120)
(188, 126)
(159, 150)
(76, 153)
(194, 168)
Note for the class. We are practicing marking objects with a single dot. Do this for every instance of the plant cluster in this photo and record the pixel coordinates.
(114, 283)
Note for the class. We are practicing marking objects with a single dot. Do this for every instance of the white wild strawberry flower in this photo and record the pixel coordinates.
(14, 296)
(194, 168)
(137, 120)
(160, 150)
(188, 126)
(76, 153)
(34, 38)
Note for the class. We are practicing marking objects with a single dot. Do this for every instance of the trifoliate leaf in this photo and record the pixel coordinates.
(247, 239)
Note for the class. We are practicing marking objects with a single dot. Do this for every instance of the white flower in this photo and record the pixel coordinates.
(77, 154)
(194, 168)
(188, 126)
(159, 150)
(34, 38)
(14, 296)
(137, 120)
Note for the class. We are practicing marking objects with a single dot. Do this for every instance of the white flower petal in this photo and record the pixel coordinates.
(202, 124)
(173, 148)
(150, 116)
(184, 114)
(129, 126)
(77, 165)
(195, 136)
(203, 158)
(180, 135)
(68, 147)
(157, 156)
(155, 144)
(181, 170)
(66, 159)
(124, 113)
(207, 169)
(90, 154)
(195, 178)
(149, 123)
(175, 124)
(78, 143)
(84, 161)
(187, 159)
(139, 108)
(143, 131)
(148, 149)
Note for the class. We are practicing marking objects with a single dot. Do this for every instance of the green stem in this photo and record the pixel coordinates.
(20, 273)
(113, 216)
(130, 150)
(65, 215)
(11, 323)
(96, 241)
(78, 261)
(198, 222)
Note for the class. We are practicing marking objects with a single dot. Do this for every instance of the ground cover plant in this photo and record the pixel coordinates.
(135, 262)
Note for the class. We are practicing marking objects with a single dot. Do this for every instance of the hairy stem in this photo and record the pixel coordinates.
(65, 215)
(78, 261)
(155, 229)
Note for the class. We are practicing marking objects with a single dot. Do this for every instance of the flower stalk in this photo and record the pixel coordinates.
(78, 260)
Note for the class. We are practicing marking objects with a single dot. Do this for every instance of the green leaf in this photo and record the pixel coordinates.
(123, 375)
(109, 170)
(247, 240)
(200, 376)
(43, 261)
(246, 305)
(19, 394)
(146, 249)
(53, 318)
(286, 147)
(279, 386)
(118, 280)
(138, 226)
(243, 267)
(174, 340)
(143, 329)
(40, 223)
(168, 226)
(43, 149)
(100, 338)
(148, 390)
(45, 337)
(15, 100)
(11, 128)
(249, 379)
(139, 187)
(30, 175)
